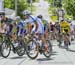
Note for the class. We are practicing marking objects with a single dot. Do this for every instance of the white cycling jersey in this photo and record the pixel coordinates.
(33, 19)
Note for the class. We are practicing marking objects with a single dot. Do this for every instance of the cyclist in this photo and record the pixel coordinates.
(74, 31)
(46, 25)
(65, 31)
(6, 24)
(20, 28)
(57, 30)
(52, 31)
(34, 24)
(71, 32)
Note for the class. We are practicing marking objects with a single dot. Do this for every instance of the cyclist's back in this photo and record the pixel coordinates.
(52, 26)
(64, 26)
(45, 23)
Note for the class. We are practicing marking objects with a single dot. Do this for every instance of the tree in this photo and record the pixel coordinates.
(7, 3)
(28, 1)
(55, 3)
(70, 7)
(22, 5)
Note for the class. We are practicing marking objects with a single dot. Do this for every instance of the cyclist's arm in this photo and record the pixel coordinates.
(29, 27)
(69, 30)
(36, 25)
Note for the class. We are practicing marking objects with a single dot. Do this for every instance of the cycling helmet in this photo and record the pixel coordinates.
(50, 22)
(17, 18)
(2, 13)
(61, 20)
(57, 22)
(26, 12)
(40, 16)
(69, 21)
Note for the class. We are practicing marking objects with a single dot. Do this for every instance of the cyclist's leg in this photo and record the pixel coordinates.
(74, 34)
(3, 27)
(46, 34)
(66, 40)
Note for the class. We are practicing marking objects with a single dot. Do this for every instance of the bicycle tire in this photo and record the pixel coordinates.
(50, 50)
(27, 52)
(8, 45)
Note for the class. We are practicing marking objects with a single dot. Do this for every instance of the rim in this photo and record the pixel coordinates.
(5, 49)
(32, 49)
(47, 49)
(21, 49)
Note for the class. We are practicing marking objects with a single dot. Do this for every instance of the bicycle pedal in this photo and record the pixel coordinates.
(14, 50)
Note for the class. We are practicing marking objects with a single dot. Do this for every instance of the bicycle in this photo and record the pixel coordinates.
(1, 39)
(8, 45)
(34, 46)
(65, 38)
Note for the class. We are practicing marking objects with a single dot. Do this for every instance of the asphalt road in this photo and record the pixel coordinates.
(59, 57)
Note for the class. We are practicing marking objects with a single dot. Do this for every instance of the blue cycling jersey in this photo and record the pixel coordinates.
(21, 24)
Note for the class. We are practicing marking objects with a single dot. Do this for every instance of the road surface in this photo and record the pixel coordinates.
(59, 57)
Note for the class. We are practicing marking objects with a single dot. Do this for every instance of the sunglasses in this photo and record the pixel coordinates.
(25, 15)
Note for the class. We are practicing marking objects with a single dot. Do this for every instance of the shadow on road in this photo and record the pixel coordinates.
(71, 50)
(18, 57)
(54, 53)
(62, 47)
(1, 57)
(44, 59)
(48, 59)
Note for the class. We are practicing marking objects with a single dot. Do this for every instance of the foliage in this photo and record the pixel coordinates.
(69, 6)
(21, 5)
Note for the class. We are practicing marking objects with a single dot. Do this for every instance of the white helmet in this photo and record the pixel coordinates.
(18, 18)
(26, 12)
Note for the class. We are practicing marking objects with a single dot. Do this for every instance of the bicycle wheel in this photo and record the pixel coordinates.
(1, 40)
(20, 49)
(5, 48)
(60, 42)
(32, 49)
(47, 49)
